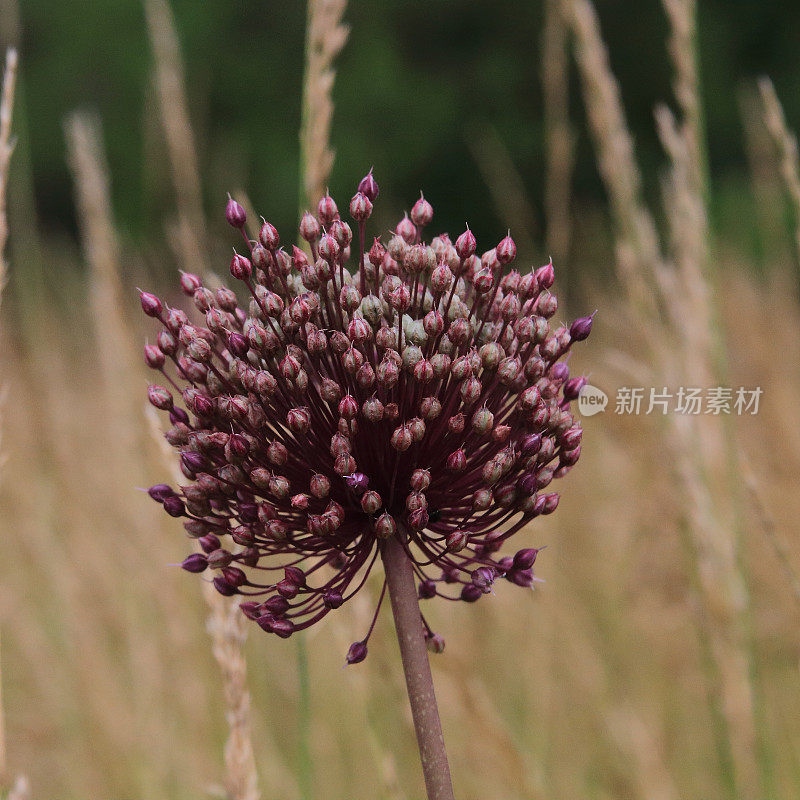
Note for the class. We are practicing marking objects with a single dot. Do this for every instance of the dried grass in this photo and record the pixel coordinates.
(685, 348)
(188, 240)
(326, 35)
(786, 144)
(559, 137)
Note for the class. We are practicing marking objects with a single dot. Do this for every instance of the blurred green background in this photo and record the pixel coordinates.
(418, 80)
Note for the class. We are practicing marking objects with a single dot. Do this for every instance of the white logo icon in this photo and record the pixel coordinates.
(591, 400)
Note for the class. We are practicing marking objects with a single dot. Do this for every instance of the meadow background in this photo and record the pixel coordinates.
(659, 659)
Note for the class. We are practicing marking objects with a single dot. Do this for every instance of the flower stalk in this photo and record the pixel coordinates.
(419, 681)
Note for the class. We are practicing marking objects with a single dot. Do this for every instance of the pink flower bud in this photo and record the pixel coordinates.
(466, 245)
(371, 502)
(151, 305)
(327, 211)
(235, 214)
(406, 230)
(457, 461)
(385, 526)
(241, 268)
(360, 207)
(401, 438)
(369, 187)
(422, 212)
(268, 236)
(309, 228)
(545, 276)
(420, 480)
(153, 356)
(506, 250)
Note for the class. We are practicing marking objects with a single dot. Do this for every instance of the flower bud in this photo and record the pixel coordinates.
(422, 212)
(357, 652)
(371, 502)
(369, 187)
(385, 526)
(151, 305)
(581, 328)
(332, 599)
(241, 268)
(196, 562)
(360, 207)
(457, 541)
(466, 245)
(457, 461)
(235, 214)
(309, 228)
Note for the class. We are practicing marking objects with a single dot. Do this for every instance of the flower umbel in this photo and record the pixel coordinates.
(422, 396)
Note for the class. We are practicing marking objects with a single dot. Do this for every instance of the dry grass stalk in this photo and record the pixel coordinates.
(559, 137)
(119, 365)
(769, 527)
(786, 143)
(325, 37)
(228, 633)
(681, 338)
(171, 89)
(6, 149)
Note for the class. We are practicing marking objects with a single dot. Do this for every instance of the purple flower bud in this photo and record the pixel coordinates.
(559, 372)
(237, 344)
(295, 575)
(194, 462)
(151, 305)
(506, 250)
(223, 587)
(369, 187)
(282, 627)
(332, 599)
(241, 268)
(160, 492)
(268, 236)
(209, 543)
(153, 356)
(250, 609)
(466, 245)
(422, 212)
(357, 652)
(581, 328)
(235, 214)
(327, 210)
(190, 284)
(470, 593)
(385, 526)
(525, 559)
(572, 388)
(520, 577)
(360, 207)
(371, 502)
(545, 276)
(174, 506)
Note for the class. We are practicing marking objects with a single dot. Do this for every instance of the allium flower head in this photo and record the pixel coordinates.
(402, 387)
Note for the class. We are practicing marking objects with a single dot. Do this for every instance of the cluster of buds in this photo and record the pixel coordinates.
(421, 395)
